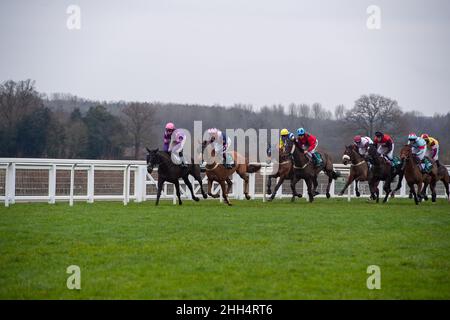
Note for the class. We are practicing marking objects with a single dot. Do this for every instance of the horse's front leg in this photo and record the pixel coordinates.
(223, 186)
(269, 184)
(315, 184)
(358, 194)
(191, 189)
(349, 181)
(330, 180)
(279, 183)
(160, 186)
(177, 189)
(294, 181)
(387, 189)
(311, 190)
(210, 183)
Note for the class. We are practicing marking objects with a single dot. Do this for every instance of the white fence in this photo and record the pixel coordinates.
(75, 180)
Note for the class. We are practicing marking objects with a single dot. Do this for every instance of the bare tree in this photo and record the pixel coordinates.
(304, 111)
(17, 99)
(372, 113)
(138, 118)
(339, 112)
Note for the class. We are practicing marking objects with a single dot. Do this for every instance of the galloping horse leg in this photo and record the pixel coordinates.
(269, 184)
(399, 185)
(210, 183)
(244, 176)
(387, 189)
(349, 182)
(358, 194)
(198, 178)
(279, 183)
(413, 191)
(223, 186)
(423, 193)
(315, 184)
(294, 181)
(160, 186)
(330, 180)
(230, 184)
(311, 192)
(189, 185)
(433, 189)
(177, 187)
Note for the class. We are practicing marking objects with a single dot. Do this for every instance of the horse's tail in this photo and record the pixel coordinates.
(252, 168)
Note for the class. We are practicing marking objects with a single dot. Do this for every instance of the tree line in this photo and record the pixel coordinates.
(64, 126)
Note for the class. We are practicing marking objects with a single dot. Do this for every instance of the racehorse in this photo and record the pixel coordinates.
(381, 170)
(303, 169)
(359, 168)
(170, 172)
(442, 175)
(327, 168)
(414, 176)
(285, 171)
(217, 172)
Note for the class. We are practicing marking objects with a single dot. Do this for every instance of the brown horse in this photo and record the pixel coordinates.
(327, 168)
(359, 168)
(303, 169)
(442, 175)
(285, 172)
(414, 176)
(217, 172)
(381, 170)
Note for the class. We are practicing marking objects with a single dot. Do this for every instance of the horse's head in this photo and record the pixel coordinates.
(405, 152)
(152, 159)
(372, 151)
(348, 154)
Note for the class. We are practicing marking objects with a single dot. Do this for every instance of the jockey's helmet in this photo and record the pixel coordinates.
(412, 136)
(170, 126)
(379, 134)
(300, 131)
(425, 136)
(284, 132)
(357, 139)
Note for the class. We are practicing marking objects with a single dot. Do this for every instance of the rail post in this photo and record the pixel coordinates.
(52, 184)
(90, 184)
(72, 178)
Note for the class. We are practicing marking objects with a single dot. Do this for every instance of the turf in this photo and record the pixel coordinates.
(205, 250)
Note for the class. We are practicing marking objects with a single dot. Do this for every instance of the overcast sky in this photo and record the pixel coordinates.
(224, 52)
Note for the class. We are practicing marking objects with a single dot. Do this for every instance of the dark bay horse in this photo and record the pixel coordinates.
(303, 169)
(414, 175)
(170, 172)
(359, 168)
(285, 172)
(381, 170)
(327, 168)
(443, 176)
(217, 172)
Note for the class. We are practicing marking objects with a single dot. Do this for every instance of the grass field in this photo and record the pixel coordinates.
(206, 250)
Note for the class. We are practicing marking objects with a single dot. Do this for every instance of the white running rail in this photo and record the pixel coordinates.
(138, 190)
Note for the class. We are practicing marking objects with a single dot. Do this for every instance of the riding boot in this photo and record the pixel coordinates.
(225, 163)
(316, 160)
(437, 163)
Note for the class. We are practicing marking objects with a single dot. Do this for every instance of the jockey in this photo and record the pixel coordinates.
(385, 145)
(308, 143)
(363, 144)
(170, 128)
(176, 147)
(432, 147)
(419, 148)
(220, 144)
(284, 137)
